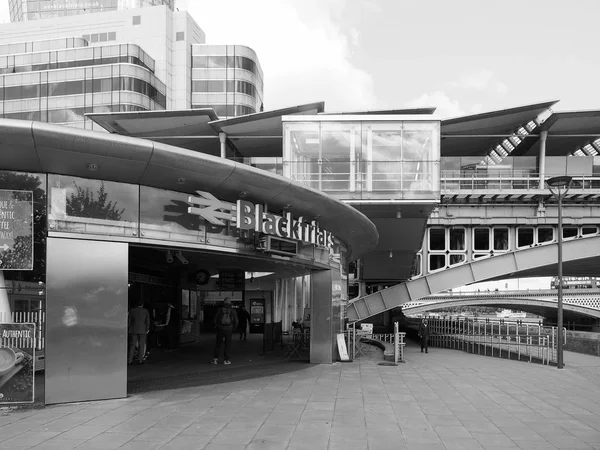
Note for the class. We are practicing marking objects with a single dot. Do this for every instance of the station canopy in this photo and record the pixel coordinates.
(261, 134)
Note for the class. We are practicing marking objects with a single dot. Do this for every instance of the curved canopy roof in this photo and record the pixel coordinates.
(47, 148)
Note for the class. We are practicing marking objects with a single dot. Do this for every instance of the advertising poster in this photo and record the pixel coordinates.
(16, 230)
(257, 315)
(17, 356)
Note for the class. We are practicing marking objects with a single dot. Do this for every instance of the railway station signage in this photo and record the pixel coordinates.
(246, 215)
(16, 230)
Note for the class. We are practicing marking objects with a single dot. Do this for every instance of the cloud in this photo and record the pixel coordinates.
(446, 107)
(482, 79)
(304, 53)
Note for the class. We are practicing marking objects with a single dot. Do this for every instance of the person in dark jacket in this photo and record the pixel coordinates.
(139, 326)
(226, 320)
(424, 335)
(244, 318)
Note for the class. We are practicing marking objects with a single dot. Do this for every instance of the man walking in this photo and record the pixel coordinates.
(424, 335)
(139, 326)
(244, 318)
(226, 321)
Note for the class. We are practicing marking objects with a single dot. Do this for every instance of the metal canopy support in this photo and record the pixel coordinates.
(542, 160)
(223, 140)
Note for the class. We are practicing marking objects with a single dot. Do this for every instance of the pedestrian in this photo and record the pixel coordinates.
(226, 321)
(424, 335)
(244, 319)
(139, 327)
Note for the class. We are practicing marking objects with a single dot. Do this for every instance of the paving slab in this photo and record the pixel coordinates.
(445, 399)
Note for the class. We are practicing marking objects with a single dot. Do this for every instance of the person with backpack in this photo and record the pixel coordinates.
(226, 321)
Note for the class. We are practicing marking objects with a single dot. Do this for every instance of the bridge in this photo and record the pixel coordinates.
(481, 232)
(577, 303)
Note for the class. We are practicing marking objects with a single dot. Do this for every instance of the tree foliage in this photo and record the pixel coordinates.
(83, 203)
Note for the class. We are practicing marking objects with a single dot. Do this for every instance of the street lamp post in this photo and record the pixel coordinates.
(559, 186)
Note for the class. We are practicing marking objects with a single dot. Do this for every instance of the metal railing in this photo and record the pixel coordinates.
(500, 338)
(451, 182)
(356, 340)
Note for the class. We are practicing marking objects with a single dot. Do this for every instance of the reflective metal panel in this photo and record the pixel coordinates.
(321, 328)
(86, 322)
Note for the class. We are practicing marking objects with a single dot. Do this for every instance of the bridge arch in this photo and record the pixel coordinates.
(536, 306)
(580, 257)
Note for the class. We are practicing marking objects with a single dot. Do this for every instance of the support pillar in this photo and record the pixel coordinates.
(222, 140)
(321, 324)
(542, 159)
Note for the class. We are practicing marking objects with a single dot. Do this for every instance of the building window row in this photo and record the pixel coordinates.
(69, 114)
(225, 62)
(71, 64)
(100, 37)
(83, 87)
(243, 87)
(77, 57)
(228, 110)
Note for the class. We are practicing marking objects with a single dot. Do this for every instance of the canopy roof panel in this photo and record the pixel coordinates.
(568, 131)
(476, 134)
(179, 128)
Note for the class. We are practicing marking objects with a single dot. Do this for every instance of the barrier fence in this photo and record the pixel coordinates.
(356, 339)
(504, 339)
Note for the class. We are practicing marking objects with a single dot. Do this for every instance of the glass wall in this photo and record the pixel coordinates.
(80, 205)
(364, 160)
(24, 291)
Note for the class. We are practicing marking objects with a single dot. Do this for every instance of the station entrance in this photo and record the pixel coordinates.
(183, 290)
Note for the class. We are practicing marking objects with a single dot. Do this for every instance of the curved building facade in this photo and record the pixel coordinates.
(226, 78)
(117, 219)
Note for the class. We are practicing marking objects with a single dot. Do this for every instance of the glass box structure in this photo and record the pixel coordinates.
(360, 158)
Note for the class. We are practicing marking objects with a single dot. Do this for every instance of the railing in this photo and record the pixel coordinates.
(356, 340)
(475, 181)
(496, 338)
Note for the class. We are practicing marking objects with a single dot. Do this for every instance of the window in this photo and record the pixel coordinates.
(180, 36)
(112, 36)
(524, 237)
(137, 20)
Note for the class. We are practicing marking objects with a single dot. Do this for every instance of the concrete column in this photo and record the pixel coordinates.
(542, 159)
(321, 324)
(222, 139)
(5, 312)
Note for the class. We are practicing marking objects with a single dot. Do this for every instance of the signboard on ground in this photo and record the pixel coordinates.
(16, 230)
(17, 363)
(342, 350)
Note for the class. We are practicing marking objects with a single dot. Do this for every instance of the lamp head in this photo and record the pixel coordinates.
(561, 181)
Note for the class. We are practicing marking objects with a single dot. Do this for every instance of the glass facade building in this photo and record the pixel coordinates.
(61, 85)
(226, 78)
(107, 63)
(25, 10)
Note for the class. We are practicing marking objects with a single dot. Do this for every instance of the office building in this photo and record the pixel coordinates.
(26, 10)
(143, 59)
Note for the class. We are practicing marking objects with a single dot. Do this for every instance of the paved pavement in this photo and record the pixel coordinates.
(446, 399)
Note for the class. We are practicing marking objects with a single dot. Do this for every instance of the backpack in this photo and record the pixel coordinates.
(226, 316)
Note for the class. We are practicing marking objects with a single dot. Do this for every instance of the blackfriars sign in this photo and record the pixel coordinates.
(248, 216)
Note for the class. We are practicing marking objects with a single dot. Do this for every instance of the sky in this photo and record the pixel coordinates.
(461, 56)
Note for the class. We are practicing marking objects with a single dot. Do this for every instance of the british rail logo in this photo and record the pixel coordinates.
(246, 215)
